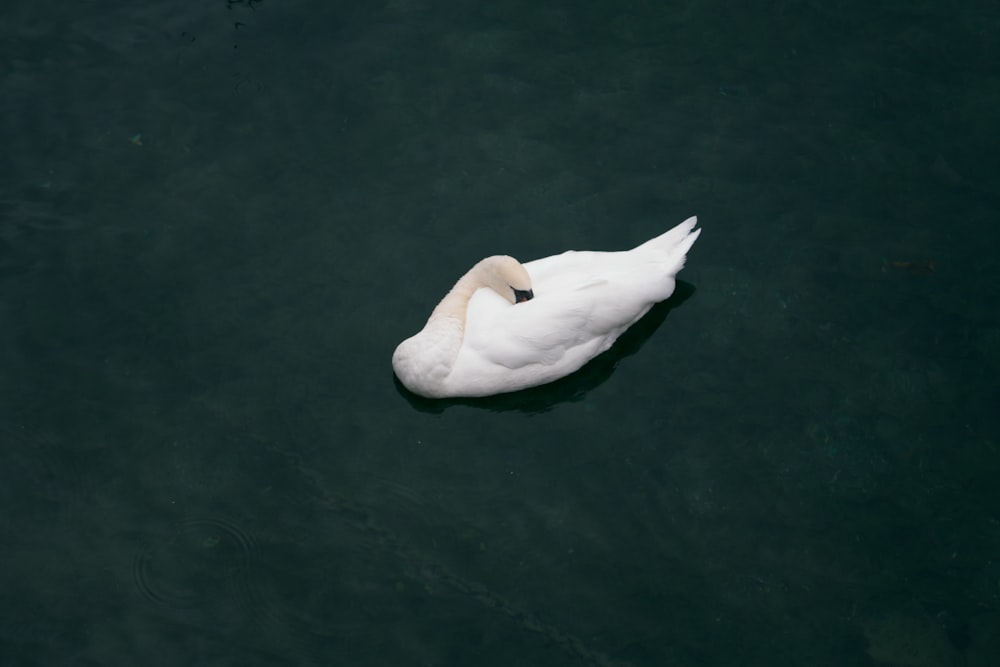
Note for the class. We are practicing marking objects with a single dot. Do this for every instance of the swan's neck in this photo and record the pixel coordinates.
(456, 302)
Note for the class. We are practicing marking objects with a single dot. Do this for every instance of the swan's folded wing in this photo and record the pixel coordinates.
(566, 330)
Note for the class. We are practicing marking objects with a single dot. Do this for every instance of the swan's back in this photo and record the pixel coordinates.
(644, 273)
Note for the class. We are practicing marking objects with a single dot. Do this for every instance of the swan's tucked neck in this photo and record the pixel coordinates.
(456, 301)
(500, 273)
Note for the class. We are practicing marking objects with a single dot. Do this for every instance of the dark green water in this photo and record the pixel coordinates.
(217, 221)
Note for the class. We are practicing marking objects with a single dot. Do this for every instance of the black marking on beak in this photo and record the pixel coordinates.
(523, 295)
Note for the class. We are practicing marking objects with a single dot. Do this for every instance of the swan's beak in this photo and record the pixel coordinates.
(523, 295)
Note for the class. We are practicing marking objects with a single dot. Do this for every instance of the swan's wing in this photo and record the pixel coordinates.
(564, 328)
(583, 302)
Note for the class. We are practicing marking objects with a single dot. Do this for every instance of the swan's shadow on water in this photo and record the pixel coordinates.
(572, 387)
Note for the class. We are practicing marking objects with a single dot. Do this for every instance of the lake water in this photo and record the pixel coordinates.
(217, 220)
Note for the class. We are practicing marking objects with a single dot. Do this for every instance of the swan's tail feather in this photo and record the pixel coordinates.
(670, 241)
(670, 248)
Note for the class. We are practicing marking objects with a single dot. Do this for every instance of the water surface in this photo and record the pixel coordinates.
(218, 219)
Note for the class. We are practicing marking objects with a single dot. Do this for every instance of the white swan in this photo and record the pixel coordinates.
(506, 326)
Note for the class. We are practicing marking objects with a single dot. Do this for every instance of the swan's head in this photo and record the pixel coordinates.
(505, 276)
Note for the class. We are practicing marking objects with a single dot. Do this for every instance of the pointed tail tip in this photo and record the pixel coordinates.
(692, 234)
(681, 234)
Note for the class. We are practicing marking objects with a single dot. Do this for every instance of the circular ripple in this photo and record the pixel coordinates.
(202, 561)
(208, 571)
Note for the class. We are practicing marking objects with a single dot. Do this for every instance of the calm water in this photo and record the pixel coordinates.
(217, 219)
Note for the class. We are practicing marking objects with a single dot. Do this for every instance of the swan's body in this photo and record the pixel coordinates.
(489, 335)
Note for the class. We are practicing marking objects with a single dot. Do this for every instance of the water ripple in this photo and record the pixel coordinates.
(203, 560)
